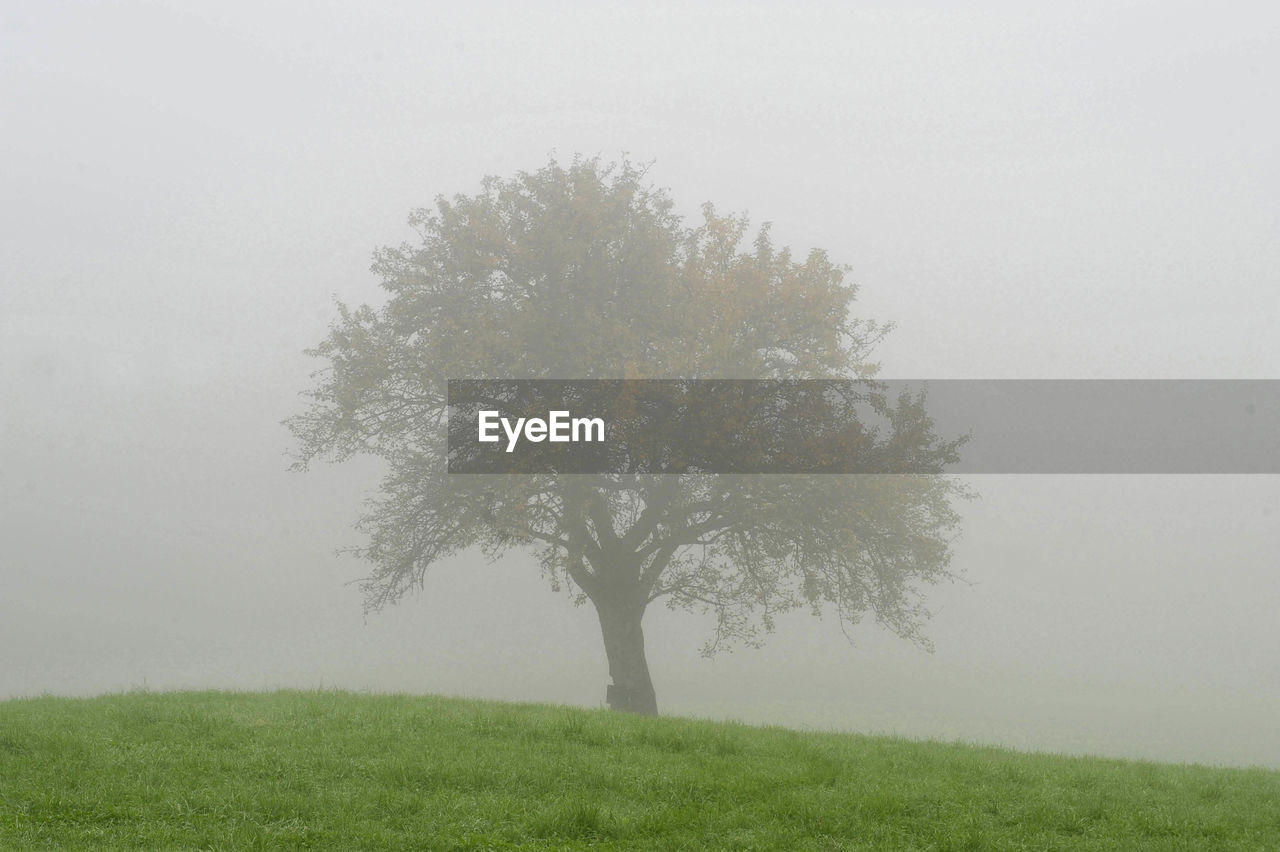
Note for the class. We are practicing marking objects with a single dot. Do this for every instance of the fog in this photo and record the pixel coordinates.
(1082, 193)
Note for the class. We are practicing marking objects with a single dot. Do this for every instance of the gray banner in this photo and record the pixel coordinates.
(892, 426)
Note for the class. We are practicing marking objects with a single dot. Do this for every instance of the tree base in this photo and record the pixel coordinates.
(631, 700)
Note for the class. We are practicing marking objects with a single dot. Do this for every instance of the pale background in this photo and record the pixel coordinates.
(1087, 192)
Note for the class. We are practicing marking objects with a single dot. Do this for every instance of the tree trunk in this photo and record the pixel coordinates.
(632, 690)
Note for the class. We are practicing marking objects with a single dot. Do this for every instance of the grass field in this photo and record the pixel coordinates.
(343, 771)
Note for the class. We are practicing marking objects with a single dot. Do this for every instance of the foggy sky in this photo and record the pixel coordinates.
(1087, 192)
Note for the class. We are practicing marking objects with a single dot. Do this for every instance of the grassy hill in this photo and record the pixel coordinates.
(335, 770)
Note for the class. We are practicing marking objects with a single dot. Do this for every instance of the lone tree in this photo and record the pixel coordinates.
(585, 271)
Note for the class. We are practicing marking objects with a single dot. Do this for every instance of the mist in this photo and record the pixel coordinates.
(1087, 193)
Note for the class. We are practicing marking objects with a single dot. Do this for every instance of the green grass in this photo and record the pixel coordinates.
(341, 771)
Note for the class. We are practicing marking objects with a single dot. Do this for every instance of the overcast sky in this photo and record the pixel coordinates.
(1086, 192)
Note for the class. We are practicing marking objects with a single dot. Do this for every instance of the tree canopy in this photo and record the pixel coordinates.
(586, 271)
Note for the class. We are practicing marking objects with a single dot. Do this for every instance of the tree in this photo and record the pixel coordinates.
(586, 271)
